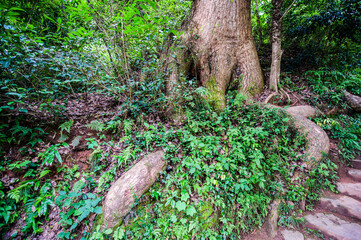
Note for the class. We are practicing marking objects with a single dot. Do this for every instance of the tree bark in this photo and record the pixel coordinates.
(276, 45)
(218, 40)
(277, 51)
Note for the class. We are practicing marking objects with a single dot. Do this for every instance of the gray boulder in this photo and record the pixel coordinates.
(134, 182)
(304, 111)
(353, 101)
(350, 189)
(318, 142)
(344, 205)
(333, 226)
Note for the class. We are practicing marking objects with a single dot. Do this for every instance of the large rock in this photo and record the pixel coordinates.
(343, 205)
(353, 101)
(135, 181)
(318, 142)
(334, 227)
(351, 189)
(304, 111)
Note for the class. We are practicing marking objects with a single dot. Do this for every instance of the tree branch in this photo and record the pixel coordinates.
(288, 9)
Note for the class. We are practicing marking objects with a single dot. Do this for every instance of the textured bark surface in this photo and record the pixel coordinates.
(276, 45)
(305, 111)
(218, 39)
(136, 181)
(318, 142)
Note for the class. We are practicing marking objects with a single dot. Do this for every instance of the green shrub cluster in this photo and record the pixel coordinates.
(224, 171)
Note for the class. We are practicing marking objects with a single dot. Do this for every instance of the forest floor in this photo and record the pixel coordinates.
(349, 212)
(84, 109)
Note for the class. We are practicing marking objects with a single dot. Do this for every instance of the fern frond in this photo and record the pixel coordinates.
(128, 126)
(125, 157)
(66, 126)
(14, 194)
(96, 125)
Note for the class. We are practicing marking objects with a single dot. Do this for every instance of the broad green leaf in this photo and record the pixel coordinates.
(98, 210)
(191, 211)
(181, 206)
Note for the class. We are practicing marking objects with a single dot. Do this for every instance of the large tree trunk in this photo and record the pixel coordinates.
(276, 45)
(218, 40)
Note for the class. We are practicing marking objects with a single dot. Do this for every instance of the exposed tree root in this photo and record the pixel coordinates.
(288, 96)
(270, 97)
(282, 93)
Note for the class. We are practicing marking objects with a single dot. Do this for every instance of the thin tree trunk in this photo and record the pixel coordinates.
(277, 51)
(218, 37)
(276, 45)
(260, 38)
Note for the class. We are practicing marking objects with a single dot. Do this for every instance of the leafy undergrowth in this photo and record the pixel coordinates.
(347, 130)
(224, 169)
(328, 85)
(324, 88)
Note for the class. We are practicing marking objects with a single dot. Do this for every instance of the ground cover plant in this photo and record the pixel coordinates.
(85, 93)
(228, 168)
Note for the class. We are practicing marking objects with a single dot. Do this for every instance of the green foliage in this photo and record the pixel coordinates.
(347, 130)
(223, 168)
(320, 33)
(290, 221)
(92, 143)
(330, 84)
(38, 207)
(99, 234)
(322, 177)
(231, 166)
(51, 154)
(76, 207)
(36, 203)
(8, 212)
(66, 126)
(96, 125)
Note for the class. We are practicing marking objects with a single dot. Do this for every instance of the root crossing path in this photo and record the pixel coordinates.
(338, 215)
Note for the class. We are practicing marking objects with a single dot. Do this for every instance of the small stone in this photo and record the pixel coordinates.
(292, 235)
(334, 227)
(355, 174)
(344, 205)
(351, 189)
